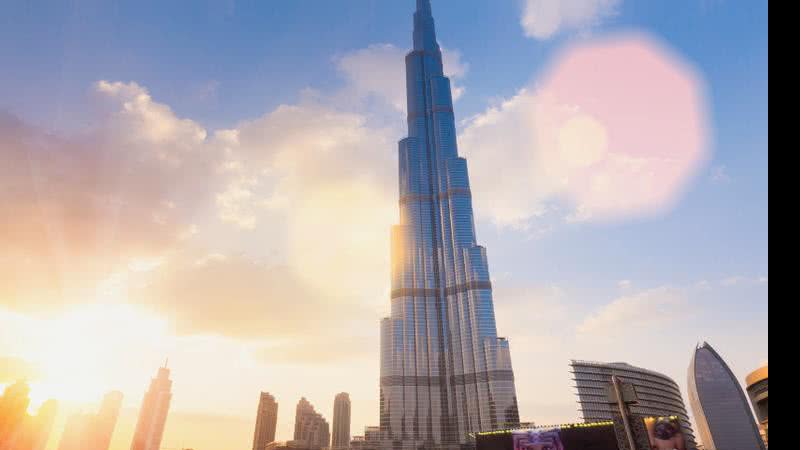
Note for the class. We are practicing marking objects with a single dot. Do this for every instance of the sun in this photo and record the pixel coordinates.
(81, 354)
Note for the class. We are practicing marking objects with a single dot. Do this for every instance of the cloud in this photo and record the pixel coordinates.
(237, 297)
(145, 206)
(645, 311)
(321, 183)
(379, 71)
(543, 19)
(744, 281)
(15, 369)
(88, 204)
(611, 144)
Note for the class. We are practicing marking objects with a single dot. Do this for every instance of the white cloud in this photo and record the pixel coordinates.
(646, 311)
(379, 71)
(86, 205)
(313, 180)
(743, 280)
(543, 19)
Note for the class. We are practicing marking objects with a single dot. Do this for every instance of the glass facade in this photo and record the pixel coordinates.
(444, 371)
(657, 394)
(724, 418)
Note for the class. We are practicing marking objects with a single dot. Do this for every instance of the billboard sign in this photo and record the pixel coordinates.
(599, 436)
(665, 433)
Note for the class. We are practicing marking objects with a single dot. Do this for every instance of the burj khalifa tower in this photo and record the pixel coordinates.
(445, 373)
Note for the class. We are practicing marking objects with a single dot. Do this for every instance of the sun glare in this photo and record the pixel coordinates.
(80, 355)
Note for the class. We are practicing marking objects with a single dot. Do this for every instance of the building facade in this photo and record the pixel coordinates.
(106, 420)
(20, 430)
(445, 373)
(341, 421)
(310, 428)
(13, 412)
(41, 426)
(758, 390)
(154, 412)
(657, 395)
(723, 415)
(92, 431)
(371, 440)
(266, 421)
(372, 434)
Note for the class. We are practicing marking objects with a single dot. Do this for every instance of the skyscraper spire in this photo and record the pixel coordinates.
(424, 28)
(424, 7)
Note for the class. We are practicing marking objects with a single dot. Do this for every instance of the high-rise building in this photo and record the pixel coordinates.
(106, 420)
(310, 428)
(76, 432)
(444, 371)
(42, 425)
(341, 421)
(723, 415)
(758, 389)
(657, 395)
(92, 431)
(18, 429)
(153, 415)
(13, 412)
(266, 421)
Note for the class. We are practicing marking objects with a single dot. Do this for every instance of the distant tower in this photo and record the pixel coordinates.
(303, 409)
(758, 389)
(92, 431)
(13, 413)
(266, 421)
(657, 394)
(724, 419)
(76, 434)
(310, 427)
(153, 415)
(341, 421)
(106, 420)
(42, 424)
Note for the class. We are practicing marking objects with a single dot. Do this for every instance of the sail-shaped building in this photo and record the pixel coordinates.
(445, 373)
(723, 415)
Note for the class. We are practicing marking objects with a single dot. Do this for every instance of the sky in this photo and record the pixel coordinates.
(214, 181)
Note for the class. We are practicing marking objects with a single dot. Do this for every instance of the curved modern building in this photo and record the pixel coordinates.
(445, 372)
(658, 395)
(723, 415)
(758, 389)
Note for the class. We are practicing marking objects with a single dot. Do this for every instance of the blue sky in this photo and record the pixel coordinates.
(231, 64)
